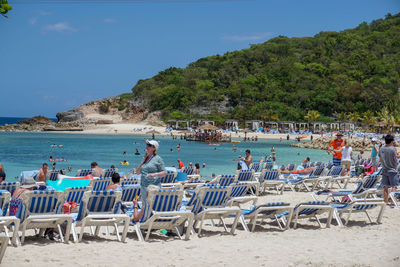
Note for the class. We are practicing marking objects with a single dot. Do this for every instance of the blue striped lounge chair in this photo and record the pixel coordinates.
(291, 167)
(108, 173)
(127, 181)
(163, 212)
(211, 203)
(169, 178)
(189, 170)
(9, 186)
(41, 210)
(75, 194)
(357, 206)
(3, 245)
(395, 196)
(268, 166)
(239, 194)
(244, 175)
(83, 172)
(324, 181)
(255, 166)
(311, 209)
(99, 184)
(7, 222)
(270, 178)
(265, 211)
(100, 208)
(53, 175)
(129, 192)
(307, 181)
(226, 179)
(367, 185)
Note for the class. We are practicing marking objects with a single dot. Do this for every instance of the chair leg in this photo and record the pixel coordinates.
(242, 221)
(189, 227)
(201, 224)
(116, 232)
(68, 230)
(82, 230)
(3, 248)
(369, 218)
(139, 232)
(60, 233)
(125, 230)
(74, 235)
(379, 219)
(235, 222)
(97, 230)
(329, 220)
(319, 223)
(337, 217)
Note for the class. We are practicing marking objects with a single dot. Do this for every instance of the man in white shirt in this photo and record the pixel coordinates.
(347, 156)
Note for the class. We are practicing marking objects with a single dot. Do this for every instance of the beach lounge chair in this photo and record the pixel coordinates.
(75, 194)
(3, 245)
(270, 178)
(210, 203)
(395, 196)
(265, 211)
(364, 188)
(8, 221)
(127, 181)
(239, 194)
(291, 167)
(129, 192)
(108, 173)
(41, 210)
(255, 166)
(225, 179)
(100, 208)
(99, 184)
(307, 181)
(163, 212)
(10, 186)
(83, 172)
(53, 175)
(169, 178)
(268, 166)
(362, 205)
(311, 209)
(324, 181)
(189, 170)
(244, 175)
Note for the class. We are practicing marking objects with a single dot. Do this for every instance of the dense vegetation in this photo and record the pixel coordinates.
(356, 71)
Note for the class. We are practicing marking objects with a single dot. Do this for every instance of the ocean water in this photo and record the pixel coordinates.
(14, 120)
(27, 151)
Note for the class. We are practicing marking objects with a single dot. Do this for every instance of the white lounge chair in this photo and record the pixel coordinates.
(7, 222)
(100, 208)
(163, 212)
(3, 245)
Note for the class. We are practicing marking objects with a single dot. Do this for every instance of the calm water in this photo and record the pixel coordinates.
(27, 151)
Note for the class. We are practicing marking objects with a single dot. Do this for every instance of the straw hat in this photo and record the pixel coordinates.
(29, 182)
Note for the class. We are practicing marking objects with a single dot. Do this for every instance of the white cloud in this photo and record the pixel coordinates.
(32, 21)
(43, 13)
(109, 20)
(247, 37)
(60, 27)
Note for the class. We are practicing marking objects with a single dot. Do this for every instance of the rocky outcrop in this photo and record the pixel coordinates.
(37, 120)
(357, 143)
(69, 115)
(154, 118)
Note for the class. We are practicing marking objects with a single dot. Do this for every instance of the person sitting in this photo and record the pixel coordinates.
(302, 172)
(43, 173)
(368, 169)
(305, 161)
(28, 184)
(96, 170)
(116, 182)
(197, 169)
(2, 176)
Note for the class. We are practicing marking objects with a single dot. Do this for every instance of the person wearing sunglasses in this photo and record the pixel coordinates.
(151, 169)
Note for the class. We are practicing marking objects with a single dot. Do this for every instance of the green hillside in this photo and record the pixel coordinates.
(355, 70)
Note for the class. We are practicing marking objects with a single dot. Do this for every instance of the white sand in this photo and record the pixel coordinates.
(359, 244)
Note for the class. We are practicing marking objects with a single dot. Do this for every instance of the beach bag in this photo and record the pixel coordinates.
(70, 207)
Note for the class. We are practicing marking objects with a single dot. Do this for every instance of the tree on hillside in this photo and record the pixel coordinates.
(368, 118)
(312, 115)
(4, 8)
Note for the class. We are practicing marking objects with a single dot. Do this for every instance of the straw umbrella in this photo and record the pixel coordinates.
(153, 132)
(208, 126)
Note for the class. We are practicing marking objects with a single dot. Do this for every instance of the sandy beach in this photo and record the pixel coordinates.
(358, 244)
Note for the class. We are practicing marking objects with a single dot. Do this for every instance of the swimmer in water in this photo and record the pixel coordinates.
(137, 152)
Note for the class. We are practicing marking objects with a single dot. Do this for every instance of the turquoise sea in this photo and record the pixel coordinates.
(27, 151)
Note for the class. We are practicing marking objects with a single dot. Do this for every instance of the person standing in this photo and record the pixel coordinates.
(347, 156)
(335, 147)
(151, 169)
(374, 154)
(387, 155)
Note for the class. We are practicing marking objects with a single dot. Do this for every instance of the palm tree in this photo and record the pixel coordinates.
(386, 117)
(340, 116)
(354, 117)
(368, 118)
(312, 115)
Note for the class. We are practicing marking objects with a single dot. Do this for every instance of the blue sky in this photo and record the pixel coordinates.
(55, 56)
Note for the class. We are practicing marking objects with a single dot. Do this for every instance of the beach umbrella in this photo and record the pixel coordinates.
(245, 131)
(153, 132)
(208, 126)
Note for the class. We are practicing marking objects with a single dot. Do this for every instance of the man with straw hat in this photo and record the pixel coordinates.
(335, 147)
